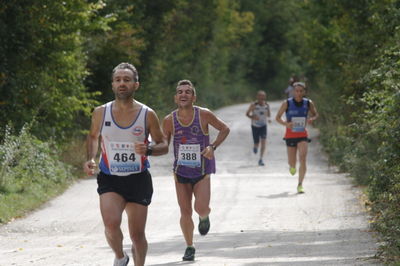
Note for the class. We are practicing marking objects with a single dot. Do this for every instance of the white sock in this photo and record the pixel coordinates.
(118, 262)
(203, 218)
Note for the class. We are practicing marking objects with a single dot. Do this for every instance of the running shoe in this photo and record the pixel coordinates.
(255, 150)
(300, 189)
(189, 254)
(261, 163)
(292, 170)
(122, 262)
(204, 226)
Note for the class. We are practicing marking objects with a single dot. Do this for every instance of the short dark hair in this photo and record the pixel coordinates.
(127, 66)
(293, 79)
(188, 83)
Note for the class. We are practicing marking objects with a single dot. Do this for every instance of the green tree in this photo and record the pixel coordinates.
(351, 48)
(42, 63)
(269, 51)
(169, 41)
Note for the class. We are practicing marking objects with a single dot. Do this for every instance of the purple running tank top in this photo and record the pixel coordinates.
(189, 142)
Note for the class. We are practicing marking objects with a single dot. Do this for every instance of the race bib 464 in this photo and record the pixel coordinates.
(123, 158)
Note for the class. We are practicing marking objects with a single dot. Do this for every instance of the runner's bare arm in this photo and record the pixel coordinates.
(160, 147)
(223, 130)
(250, 110)
(278, 117)
(92, 140)
(313, 112)
(167, 127)
(269, 114)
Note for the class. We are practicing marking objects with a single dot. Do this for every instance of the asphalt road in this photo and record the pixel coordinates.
(257, 217)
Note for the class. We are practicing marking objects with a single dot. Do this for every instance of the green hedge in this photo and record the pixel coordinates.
(30, 173)
(352, 53)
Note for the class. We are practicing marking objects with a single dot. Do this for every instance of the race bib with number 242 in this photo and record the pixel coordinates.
(299, 124)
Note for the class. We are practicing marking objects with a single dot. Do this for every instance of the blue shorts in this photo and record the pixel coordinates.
(259, 133)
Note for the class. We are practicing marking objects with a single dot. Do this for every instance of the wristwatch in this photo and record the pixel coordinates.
(149, 151)
(214, 147)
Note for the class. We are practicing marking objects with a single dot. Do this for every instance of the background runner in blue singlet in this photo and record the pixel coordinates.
(299, 111)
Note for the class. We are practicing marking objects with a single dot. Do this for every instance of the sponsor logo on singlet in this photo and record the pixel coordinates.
(138, 130)
(183, 140)
(195, 130)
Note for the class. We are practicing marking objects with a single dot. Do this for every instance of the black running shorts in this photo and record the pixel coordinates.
(136, 188)
(259, 133)
(187, 180)
(292, 142)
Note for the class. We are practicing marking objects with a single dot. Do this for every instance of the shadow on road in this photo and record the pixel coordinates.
(280, 195)
(329, 247)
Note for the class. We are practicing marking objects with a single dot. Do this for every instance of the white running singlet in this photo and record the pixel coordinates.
(260, 111)
(118, 155)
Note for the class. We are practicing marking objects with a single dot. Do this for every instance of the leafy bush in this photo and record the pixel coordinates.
(354, 45)
(380, 122)
(30, 172)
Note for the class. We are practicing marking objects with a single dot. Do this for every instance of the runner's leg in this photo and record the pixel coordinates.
(263, 144)
(137, 216)
(263, 138)
(184, 196)
(111, 207)
(303, 148)
(291, 152)
(202, 194)
(255, 147)
(256, 138)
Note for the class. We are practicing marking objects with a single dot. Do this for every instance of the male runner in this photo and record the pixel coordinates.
(124, 183)
(290, 89)
(194, 159)
(300, 111)
(258, 112)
